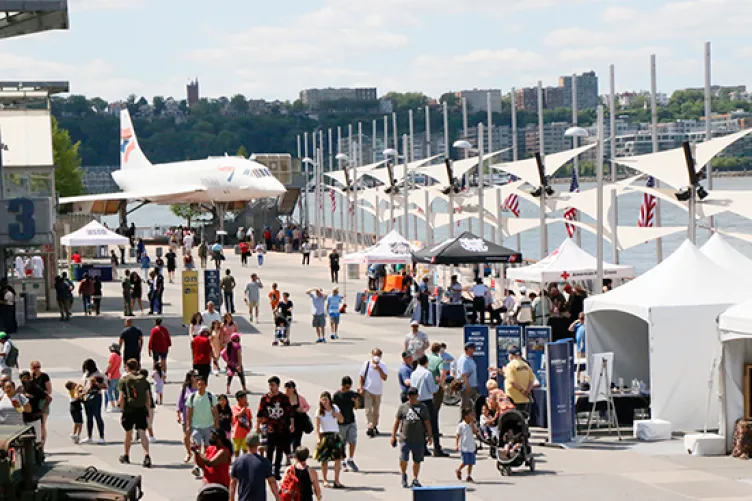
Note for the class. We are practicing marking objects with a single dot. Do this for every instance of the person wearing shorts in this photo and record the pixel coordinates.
(135, 398)
(202, 416)
(242, 422)
(318, 310)
(413, 422)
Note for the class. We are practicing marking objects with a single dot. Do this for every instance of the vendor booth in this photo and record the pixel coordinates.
(93, 234)
(467, 249)
(661, 328)
(735, 331)
(726, 256)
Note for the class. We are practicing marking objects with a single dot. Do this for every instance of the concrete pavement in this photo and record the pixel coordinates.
(604, 467)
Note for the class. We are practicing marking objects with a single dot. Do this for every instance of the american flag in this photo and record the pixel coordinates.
(512, 203)
(571, 212)
(647, 209)
(352, 207)
(333, 198)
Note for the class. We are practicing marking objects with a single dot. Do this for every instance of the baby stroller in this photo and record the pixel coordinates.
(280, 331)
(513, 449)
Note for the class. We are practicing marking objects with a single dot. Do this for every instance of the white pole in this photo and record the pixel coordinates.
(654, 135)
(464, 123)
(298, 145)
(411, 156)
(481, 179)
(344, 194)
(542, 200)
(331, 168)
(377, 219)
(320, 190)
(316, 211)
(708, 122)
(612, 143)
(306, 222)
(355, 182)
(350, 155)
(394, 131)
(499, 217)
(489, 147)
(411, 128)
(373, 143)
(405, 224)
(428, 131)
(599, 205)
(692, 226)
(447, 156)
(427, 214)
(515, 153)
(575, 144)
(386, 133)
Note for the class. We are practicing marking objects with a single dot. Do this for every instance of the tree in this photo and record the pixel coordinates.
(239, 104)
(242, 152)
(67, 160)
(451, 99)
(407, 100)
(185, 211)
(158, 102)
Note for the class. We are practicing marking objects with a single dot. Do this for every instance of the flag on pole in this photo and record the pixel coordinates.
(647, 209)
(352, 207)
(571, 213)
(512, 203)
(458, 210)
(333, 198)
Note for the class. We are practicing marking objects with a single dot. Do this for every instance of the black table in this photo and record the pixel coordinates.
(560, 328)
(452, 315)
(625, 405)
(390, 305)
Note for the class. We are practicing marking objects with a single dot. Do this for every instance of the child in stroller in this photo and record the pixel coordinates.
(514, 447)
(280, 331)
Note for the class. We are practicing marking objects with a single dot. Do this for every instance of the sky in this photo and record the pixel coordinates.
(272, 50)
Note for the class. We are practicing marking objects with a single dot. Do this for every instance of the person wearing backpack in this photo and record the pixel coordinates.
(300, 482)
(525, 314)
(134, 400)
(8, 355)
(202, 416)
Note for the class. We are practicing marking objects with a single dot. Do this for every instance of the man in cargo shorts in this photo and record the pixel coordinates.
(318, 309)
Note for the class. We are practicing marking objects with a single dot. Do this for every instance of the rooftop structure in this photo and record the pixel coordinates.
(23, 17)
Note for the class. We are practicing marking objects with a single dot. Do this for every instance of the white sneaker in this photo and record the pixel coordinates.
(100, 441)
(152, 439)
(84, 440)
(73, 437)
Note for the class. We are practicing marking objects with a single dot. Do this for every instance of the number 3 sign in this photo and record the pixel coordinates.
(24, 228)
(26, 221)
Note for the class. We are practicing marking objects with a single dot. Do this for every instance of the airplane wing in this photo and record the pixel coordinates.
(150, 195)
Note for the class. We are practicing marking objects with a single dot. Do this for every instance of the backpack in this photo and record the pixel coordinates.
(11, 359)
(137, 390)
(212, 402)
(525, 313)
(289, 490)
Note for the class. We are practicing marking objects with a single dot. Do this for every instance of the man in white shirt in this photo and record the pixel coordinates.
(480, 291)
(210, 315)
(253, 295)
(416, 341)
(509, 305)
(4, 352)
(424, 381)
(188, 242)
(372, 377)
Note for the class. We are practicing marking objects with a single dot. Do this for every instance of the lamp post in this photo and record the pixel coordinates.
(344, 160)
(691, 192)
(465, 145)
(391, 152)
(314, 165)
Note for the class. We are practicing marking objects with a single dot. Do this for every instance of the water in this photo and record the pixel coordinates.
(642, 257)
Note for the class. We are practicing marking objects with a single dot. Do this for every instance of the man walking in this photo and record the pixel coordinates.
(467, 370)
(159, 345)
(334, 266)
(404, 373)
(249, 472)
(202, 416)
(134, 400)
(202, 352)
(275, 412)
(228, 291)
(131, 342)
(423, 296)
(423, 381)
(126, 284)
(253, 295)
(518, 380)
(211, 314)
(372, 377)
(318, 309)
(436, 367)
(414, 426)
(416, 341)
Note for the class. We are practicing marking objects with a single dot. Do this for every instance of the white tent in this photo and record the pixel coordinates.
(662, 328)
(735, 326)
(93, 234)
(568, 262)
(726, 256)
(392, 249)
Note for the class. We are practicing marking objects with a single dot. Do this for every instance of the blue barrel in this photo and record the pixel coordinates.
(439, 493)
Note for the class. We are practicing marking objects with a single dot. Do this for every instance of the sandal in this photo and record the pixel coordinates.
(188, 458)
(338, 485)
(326, 484)
(459, 474)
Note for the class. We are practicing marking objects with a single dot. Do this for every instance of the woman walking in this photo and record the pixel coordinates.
(229, 327)
(216, 343)
(330, 446)
(189, 387)
(137, 286)
(308, 481)
(86, 290)
(97, 297)
(93, 383)
(300, 418)
(195, 325)
(215, 462)
(112, 372)
(233, 355)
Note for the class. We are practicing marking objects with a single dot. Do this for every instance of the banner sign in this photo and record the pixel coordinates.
(560, 394)
(211, 288)
(190, 294)
(507, 336)
(478, 335)
(535, 346)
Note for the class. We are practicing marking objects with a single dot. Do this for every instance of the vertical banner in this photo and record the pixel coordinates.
(560, 394)
(190, 294)
(211, 288)
(478, 335)
(535, 346)
(507, 336)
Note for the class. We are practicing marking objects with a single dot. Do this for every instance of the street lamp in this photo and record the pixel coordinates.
(464, 144)
(392, 189)
(691, 192)
(307, 161)
(350, 188)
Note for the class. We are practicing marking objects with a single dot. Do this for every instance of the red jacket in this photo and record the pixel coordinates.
(202, 350)
(159, 340)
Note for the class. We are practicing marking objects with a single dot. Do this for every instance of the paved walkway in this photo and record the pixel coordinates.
(604, 468)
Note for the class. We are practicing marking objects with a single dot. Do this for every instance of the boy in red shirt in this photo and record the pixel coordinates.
(202, 353)
(242, 422)
(159, 345)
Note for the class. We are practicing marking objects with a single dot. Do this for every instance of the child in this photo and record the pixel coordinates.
(512, 444)
(75, 392)
(260, 251)
(242, 422)
(225, 415)
(280, 332)
(465, 444)
(488, 423)
(150, 421)
(261, 430)
(274, 296)
(158, 376)
(347, 401)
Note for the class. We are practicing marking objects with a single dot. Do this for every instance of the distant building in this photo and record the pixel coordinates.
(192, 93)
(527, 99)
(587, 90)
(553, 98)
(98, 179)
(312, 98)
(477, 99)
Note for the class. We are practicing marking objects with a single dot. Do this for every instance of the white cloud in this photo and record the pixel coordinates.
(99, 5)
(618, 14)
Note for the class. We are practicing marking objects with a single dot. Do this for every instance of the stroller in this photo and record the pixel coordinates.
(509, 441)
(280, 331)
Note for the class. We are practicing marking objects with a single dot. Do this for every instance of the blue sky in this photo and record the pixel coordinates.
(271, 50)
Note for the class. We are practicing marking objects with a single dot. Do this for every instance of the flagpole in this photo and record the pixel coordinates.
(406, 182)
(405, 226)
(515, 153)
(599, 205)
(447, 157)
(654, 136)
(575, 144)
(428, 155)
(612, 143)
(305, 184)
(331, 168)
(489, 143)
(708, 123)
(350, 163)
(342, 196)
(320, 191)
(373, 143)
(542, 199)
(356, 210)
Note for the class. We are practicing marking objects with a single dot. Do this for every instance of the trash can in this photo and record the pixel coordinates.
(439, 493)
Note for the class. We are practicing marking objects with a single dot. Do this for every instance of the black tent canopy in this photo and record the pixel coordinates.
(466, 248)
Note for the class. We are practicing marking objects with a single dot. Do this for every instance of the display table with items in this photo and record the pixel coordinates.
(381, 304)
(626, 404)
(103, 271)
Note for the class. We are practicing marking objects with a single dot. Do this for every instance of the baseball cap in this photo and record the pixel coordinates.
(469, 345)
(523, 289)
(412, 391)
(414, 322)
(114, 347)
(406, 354)
(3, 335)
(514, 350)
(203, 328)
(240, 394)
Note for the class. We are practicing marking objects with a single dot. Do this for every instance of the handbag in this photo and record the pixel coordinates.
(306, 424)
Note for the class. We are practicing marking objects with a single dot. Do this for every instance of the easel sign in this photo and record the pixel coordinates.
(601, 375)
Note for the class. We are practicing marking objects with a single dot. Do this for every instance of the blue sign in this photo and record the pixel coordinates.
(478, 335)
(506, 337)
(211, 288)
(535, 347)
(560, 394)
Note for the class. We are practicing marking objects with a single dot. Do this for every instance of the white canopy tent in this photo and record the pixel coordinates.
(735, 332)
(726, 256)
(93, 234)
(568, 262)
(662, 328)
(392, 249)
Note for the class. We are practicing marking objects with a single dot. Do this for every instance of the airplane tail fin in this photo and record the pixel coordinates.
(131, 156)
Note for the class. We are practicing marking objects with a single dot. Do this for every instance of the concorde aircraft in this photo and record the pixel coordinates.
(212, 181)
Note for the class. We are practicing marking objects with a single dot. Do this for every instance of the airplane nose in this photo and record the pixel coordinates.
(276, 188)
